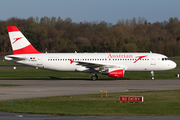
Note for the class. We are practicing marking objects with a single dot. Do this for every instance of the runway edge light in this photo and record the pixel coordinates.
(106, 92)
(101, 93)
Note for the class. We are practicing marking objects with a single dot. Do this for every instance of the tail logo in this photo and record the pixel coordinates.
(16, 39)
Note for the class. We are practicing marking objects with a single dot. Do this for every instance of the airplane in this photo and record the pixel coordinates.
(111, 64)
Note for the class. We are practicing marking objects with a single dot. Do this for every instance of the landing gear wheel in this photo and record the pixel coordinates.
(94, 77)
(152, 78)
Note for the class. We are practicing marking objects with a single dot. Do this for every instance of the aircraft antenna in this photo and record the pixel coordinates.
(46, 50)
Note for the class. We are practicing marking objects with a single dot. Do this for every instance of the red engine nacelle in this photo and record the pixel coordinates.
(116, 72)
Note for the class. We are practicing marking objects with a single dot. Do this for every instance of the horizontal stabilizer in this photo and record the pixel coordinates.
(14, 58)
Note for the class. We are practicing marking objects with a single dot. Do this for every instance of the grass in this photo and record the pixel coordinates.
(156, 103)
(7, 63)
(32, 73)
(8, 85)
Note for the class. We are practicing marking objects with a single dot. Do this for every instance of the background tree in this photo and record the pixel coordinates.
(129, 35)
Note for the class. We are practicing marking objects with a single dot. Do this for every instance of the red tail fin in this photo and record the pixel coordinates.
(19, 43)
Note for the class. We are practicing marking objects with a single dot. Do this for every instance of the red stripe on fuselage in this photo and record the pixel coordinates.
(12, 28)
(139, 57)
(26, 50)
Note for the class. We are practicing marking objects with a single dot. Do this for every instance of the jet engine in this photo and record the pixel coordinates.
(115, 72)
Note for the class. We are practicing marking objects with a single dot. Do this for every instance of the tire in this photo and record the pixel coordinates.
(152, 78)
(94, 77)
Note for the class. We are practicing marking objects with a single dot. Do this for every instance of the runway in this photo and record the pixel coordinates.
(46, 88)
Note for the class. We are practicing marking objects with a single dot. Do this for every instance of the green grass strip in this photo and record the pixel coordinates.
(32, 73)
(8, 85)
(8, 63)
(156, 103)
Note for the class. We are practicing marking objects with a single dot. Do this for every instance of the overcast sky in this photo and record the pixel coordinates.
(91, 10)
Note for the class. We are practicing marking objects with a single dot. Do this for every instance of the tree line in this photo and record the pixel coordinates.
(130, 35)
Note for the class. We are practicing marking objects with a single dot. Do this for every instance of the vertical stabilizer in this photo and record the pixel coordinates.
(19, 43)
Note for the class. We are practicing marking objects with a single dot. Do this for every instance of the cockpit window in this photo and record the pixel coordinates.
(163, 59)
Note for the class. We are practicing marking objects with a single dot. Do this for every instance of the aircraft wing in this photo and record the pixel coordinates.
(98, 66)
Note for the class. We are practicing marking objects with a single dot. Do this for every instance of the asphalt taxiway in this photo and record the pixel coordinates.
(18, 116)
(47, 88)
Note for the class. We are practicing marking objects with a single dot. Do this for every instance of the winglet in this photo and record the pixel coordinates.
(19, 43)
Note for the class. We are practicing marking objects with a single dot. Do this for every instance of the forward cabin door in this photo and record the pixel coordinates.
(153, 60)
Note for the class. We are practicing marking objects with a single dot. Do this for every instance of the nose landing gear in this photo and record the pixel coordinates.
(152, 75)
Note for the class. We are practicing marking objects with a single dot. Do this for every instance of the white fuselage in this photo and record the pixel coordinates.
(112, 64)
(128, 61)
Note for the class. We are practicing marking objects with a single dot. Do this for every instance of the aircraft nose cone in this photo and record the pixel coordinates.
(173, 65)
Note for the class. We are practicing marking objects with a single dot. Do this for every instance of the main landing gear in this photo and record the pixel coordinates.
(94, 77)
(152, 75)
